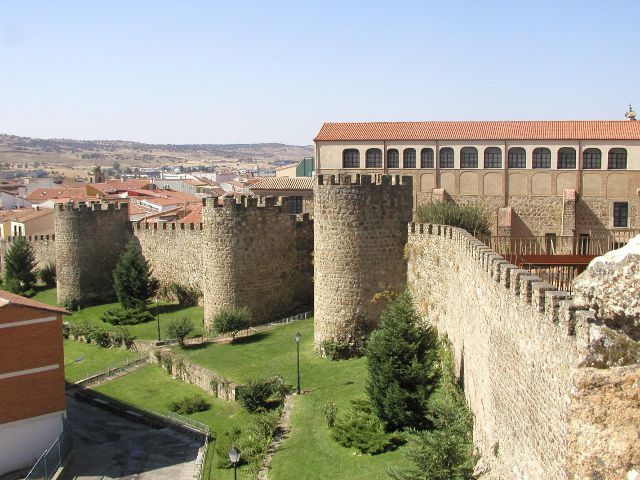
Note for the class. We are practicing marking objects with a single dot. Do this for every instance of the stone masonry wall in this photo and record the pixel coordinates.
(89, 241)
(258, 256)
(173, 250)
(519, 345)
(43, 246)
(359, 237)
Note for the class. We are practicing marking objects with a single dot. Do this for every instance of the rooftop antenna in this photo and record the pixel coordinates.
(630, 115)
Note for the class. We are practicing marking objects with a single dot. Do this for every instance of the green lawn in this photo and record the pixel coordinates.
(309, 445)
(153, 389)
(145, 331)
(95, 359)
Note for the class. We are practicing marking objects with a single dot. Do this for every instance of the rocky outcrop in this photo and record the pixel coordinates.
(611, 287)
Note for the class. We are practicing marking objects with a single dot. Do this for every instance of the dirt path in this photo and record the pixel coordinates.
(281, 433)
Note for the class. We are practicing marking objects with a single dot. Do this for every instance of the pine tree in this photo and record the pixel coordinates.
(19, 267)
(132, 279)
(402, 362)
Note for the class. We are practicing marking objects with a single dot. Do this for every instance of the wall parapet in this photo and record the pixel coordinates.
(91, 206)
(33, 238)
(162, 226)
(365, 180)
(556, 305)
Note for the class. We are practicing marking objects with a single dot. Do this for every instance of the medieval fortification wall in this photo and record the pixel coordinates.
(519, 346)
(43, 247)
(360, 231)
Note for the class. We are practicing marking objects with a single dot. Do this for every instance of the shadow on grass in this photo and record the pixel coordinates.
(166, 309)
(256, 337)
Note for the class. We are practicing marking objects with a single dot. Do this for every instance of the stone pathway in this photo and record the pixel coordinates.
(281, 433)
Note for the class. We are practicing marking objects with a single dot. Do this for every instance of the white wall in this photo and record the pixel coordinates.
(22, 442)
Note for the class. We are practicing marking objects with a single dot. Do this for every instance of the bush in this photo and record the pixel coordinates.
(189, 405)
(402, 365)
(360, 428)
(335, 350)
(132, 279)
(118, 316)
(19, 268)
(188, 296)
(259, 394)
(121, 337)
(71, 304)
(180, 328)
(446, 451)
(330, 411)
(472, 217)
(99, 336)
(232, 320)
(47, 275)
(224, 442)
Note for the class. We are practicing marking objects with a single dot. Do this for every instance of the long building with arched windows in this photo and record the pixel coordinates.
(578, 179)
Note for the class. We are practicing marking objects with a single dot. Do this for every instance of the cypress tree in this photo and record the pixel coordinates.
(132, 279)
(402, 362)
(19, 267)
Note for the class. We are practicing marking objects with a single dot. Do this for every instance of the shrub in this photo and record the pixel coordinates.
(99, 336)
(188, 296)
(121, 337)
(47, 275)
(179, 328)
(330, 411)
(132, 279)
(66, 330)
(232, 320)
(189, 405)
(336, 350)
(472, 217)
(256, 438)
(71, 304)
(224, 443)
(446, 450)
(19, 268)
(360, 428)
(402, 364)
(258, 394)
(118, 316)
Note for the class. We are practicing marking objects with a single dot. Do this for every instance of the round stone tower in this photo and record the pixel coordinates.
(360, 230)
(89, 241)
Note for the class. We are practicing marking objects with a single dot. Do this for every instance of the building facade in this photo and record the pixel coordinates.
(32, 401)
(537, 178)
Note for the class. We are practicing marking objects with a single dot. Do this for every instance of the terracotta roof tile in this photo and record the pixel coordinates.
(510, 130)
(284, 183)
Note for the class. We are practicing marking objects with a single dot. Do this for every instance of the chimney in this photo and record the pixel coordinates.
(630, 115)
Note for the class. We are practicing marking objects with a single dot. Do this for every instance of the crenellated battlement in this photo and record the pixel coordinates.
(555, 305)
(97, 206)
(33, 238)
(366, 180)
(166, 226)
(242, 202)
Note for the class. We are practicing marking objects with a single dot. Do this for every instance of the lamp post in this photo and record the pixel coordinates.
(297, 337)
(234, 456)
(158, 317)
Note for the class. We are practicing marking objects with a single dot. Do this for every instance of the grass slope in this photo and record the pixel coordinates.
(145, 331)
(153, 389)
(95, 359)
(309, 451)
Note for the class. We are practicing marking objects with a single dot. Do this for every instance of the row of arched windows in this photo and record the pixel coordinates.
(516, 157)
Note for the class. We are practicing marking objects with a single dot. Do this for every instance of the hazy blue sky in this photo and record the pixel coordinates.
(229, 72)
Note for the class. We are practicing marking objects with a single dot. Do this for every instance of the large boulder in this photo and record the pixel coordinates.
(611, 286)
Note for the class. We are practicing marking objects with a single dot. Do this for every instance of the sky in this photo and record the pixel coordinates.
(188, 71)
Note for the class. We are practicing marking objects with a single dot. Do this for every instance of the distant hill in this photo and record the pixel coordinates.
(79, 153)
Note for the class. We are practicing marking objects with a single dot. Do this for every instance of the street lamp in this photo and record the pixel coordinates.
(297, 337)
(234, 456)
(158, 317)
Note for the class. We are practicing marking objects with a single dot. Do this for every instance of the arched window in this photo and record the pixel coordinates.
(409, 158)
(373, 158)
(567, 157)
(469, 157)
(517, 157)
(492, 157)
(617, 159)
(541, 158)
(446, 157)
(351, 158)
(592, 159)
(393, 158)
(426, 158)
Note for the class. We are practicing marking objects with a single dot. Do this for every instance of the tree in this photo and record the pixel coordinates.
(402, 363)
(19, 267)
(474, 218)
(232, 320)
(179, 329)
(132, 279)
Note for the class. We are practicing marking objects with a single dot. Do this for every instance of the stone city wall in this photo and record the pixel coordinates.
(173, 250)
(43, 247)
(360, 231)
(258, 256)
(519, 345)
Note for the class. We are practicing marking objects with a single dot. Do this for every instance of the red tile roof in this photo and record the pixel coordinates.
(284, 183)
(7, 298)
(44, 194)
(516, 130)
